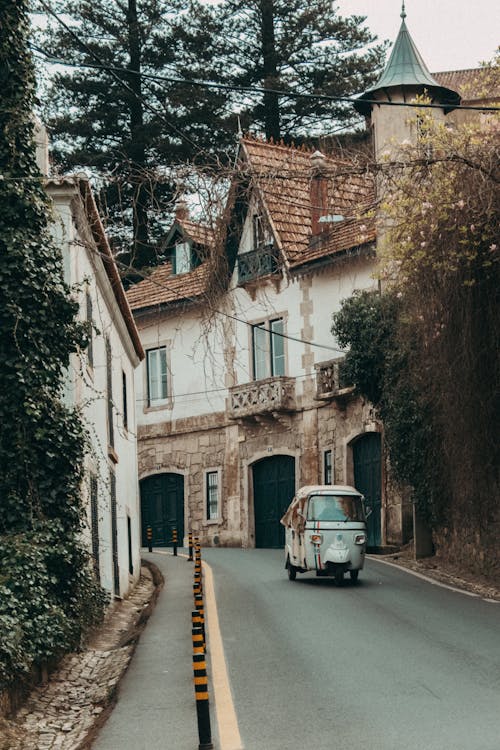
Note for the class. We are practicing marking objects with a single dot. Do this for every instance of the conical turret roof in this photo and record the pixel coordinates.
(406, 68)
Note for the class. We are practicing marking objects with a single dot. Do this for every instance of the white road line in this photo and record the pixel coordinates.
(229, 733)
(426, 578)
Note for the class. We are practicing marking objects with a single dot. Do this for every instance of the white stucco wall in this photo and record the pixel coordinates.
(195, 362)
(87, 388)
(204, 360)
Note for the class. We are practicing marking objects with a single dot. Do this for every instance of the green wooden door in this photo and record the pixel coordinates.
(368, 480)
(162, 508)
(273, 490)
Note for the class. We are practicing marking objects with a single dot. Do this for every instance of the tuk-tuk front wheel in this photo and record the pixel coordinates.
(339, 575)
(292, 571)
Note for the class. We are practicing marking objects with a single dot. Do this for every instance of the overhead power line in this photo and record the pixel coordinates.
(249, 89)
(224, 314)
(119, 80)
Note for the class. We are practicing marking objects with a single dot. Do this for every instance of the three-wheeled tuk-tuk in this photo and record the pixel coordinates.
(325, 532)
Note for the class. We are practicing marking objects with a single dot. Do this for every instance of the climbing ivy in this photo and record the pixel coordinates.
(425, 351)
(381, 349)
(47, 594)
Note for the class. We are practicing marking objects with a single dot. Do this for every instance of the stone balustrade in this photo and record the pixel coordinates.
(328, 380)
(268, 396)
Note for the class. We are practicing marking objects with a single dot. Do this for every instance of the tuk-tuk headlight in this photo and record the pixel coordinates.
(360, 539)
(316, 538)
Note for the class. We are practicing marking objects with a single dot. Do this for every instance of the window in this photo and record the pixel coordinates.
(268, 349)
(182, 258)
(114, 533)
(328, 467)
(124, 397)
(109, 395)
(94, 523)
(157, 376)
(261, 235)
(335, 508)
(90, 346)
(212, 495)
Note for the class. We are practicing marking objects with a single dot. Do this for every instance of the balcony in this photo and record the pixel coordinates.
(329, 381)
(260, 262)
(262, 398)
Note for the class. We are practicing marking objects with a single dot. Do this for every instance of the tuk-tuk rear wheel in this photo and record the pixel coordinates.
(292, 572)
(354, 575)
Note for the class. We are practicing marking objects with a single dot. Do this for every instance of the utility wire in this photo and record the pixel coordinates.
(246, 89)
(117, 78)
(162, 285)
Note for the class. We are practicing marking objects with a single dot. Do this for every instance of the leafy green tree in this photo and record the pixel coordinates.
(443, 254)
(132, 131)
(425, 351)
(46, 590)
(379, 361)
(303, 48)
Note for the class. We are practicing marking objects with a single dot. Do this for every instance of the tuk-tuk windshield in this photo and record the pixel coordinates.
(335, 508)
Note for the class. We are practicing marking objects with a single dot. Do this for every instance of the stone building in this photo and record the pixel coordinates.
(240, 400)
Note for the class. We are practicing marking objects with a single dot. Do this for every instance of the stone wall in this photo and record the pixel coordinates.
(474, 550)
(214, 442)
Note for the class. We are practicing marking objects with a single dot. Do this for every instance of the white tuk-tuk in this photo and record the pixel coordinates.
(325, 532)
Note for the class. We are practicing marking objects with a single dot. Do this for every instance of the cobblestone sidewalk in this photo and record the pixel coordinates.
(64, 713)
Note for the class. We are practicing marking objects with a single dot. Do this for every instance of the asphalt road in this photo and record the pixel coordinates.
(392, 662)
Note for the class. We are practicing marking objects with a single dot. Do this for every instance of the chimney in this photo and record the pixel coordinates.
(318, 192)
(42, 147)
(181, 210)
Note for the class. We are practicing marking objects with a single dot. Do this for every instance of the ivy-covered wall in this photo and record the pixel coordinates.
(47, 594)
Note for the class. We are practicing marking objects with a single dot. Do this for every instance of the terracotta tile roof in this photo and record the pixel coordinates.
(472, 84)
(282, 176)
(162, 287)
(199, 233)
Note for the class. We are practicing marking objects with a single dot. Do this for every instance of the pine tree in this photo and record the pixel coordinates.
(106, 115)
(303, 48)
(44, 580)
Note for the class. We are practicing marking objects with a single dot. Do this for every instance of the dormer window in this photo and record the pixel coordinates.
(261, 235)
(182, 261)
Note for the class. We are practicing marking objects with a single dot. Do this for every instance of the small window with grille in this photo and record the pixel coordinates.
(328, 467)
(212, 495)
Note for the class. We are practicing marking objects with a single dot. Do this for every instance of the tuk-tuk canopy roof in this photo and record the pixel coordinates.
(295, 513)
(326, 489)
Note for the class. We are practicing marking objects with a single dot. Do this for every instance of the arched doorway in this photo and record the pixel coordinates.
(162, 508)
(273, 490)
(368, 480)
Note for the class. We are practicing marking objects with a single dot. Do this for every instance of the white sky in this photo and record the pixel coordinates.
(449, 34)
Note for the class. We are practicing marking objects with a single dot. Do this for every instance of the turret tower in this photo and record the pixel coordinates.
(405, 76)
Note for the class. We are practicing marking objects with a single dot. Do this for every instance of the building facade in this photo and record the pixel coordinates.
(100, 382)
(241, 399)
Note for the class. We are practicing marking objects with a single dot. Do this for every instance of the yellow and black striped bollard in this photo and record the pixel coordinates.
(174, 541)
(190, 543)
(149, 536)
(201, 694)
(197, 621)
(199, 606)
